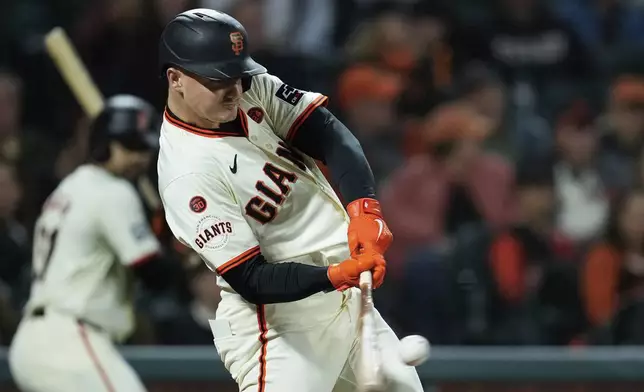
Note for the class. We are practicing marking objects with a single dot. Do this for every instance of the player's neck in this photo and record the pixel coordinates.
(180, 109)
(109, 167)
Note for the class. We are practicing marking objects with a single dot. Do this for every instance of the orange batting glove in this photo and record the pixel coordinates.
(347, 274)
(367, 229)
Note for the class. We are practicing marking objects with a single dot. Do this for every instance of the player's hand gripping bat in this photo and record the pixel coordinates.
(370, 375)
(75, 74)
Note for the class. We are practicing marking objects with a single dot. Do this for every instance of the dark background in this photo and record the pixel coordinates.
(506, 139)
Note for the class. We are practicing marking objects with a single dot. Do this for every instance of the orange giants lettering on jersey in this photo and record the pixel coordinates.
(284, 151)
(259, 208)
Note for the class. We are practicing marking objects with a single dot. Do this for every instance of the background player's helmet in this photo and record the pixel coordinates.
(129, 120)
(207, 43)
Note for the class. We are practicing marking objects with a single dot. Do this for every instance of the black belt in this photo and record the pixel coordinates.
(42, 312)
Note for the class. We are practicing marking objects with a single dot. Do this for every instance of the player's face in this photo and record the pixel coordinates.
(129, 163)
(214, 101)
(138, 163)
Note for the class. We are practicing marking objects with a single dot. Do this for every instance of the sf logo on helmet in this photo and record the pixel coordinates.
(238, 42)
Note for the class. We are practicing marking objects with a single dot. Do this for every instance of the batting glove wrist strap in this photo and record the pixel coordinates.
(364, 206)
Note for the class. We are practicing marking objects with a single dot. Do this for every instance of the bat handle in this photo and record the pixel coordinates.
(366, 279)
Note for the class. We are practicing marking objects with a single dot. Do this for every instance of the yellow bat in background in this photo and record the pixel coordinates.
(69, 64)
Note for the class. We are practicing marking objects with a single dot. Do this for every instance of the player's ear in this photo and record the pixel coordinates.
(116, 151)
(174, 79)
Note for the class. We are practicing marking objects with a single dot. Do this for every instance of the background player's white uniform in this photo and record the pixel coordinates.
(228, 194)
(90, 230)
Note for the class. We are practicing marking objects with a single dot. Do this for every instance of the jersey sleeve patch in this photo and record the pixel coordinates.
(256, 114)
(198, 204)
(213, 233)
(289, 94)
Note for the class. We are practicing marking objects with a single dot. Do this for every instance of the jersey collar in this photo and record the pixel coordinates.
(237, 127)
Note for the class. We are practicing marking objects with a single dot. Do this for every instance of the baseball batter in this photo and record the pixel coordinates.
(240, 186)
(91, 234)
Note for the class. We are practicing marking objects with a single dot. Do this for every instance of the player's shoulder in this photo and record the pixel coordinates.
(191, 187)
(265, 89)
(264, 81)
(191, 168)
(185, 159)
(118, 188)
(260, 89)
(95, 185)
(180, 147)
(96, 178)
(178, 161)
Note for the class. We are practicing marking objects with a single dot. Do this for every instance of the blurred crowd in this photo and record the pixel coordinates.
(506, 138)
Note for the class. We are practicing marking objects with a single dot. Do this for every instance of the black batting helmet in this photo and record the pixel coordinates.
(128, 120)
(207, 43)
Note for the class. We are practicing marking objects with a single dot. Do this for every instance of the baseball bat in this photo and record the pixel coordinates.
(68, 62)
(370, 375)
(71, 67)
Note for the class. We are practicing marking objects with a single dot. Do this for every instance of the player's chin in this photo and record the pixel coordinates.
(228, 112)
(135, 171)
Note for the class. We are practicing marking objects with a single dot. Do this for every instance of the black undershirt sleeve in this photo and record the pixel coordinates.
(323, 137)
(260, 282)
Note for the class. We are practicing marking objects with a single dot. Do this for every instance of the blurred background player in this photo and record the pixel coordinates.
(90, 238)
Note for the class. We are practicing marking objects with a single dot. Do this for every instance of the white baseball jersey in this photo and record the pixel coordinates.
(91, 228)
(232, 192)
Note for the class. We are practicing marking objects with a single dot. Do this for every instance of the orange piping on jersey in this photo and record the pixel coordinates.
(92, 354)
(205, 132)
(242, 258)
(263, 330)
(244, 122)
(320, 101)
(144, 259)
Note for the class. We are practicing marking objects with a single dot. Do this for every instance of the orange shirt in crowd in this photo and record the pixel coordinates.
(600, 280)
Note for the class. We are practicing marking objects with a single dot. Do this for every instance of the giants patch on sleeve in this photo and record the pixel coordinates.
(289, 94)
(213, 233)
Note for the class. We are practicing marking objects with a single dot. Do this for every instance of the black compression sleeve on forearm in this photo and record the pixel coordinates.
(323, 137)
(260, 282)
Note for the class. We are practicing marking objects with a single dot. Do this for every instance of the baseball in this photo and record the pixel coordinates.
(414, 350)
